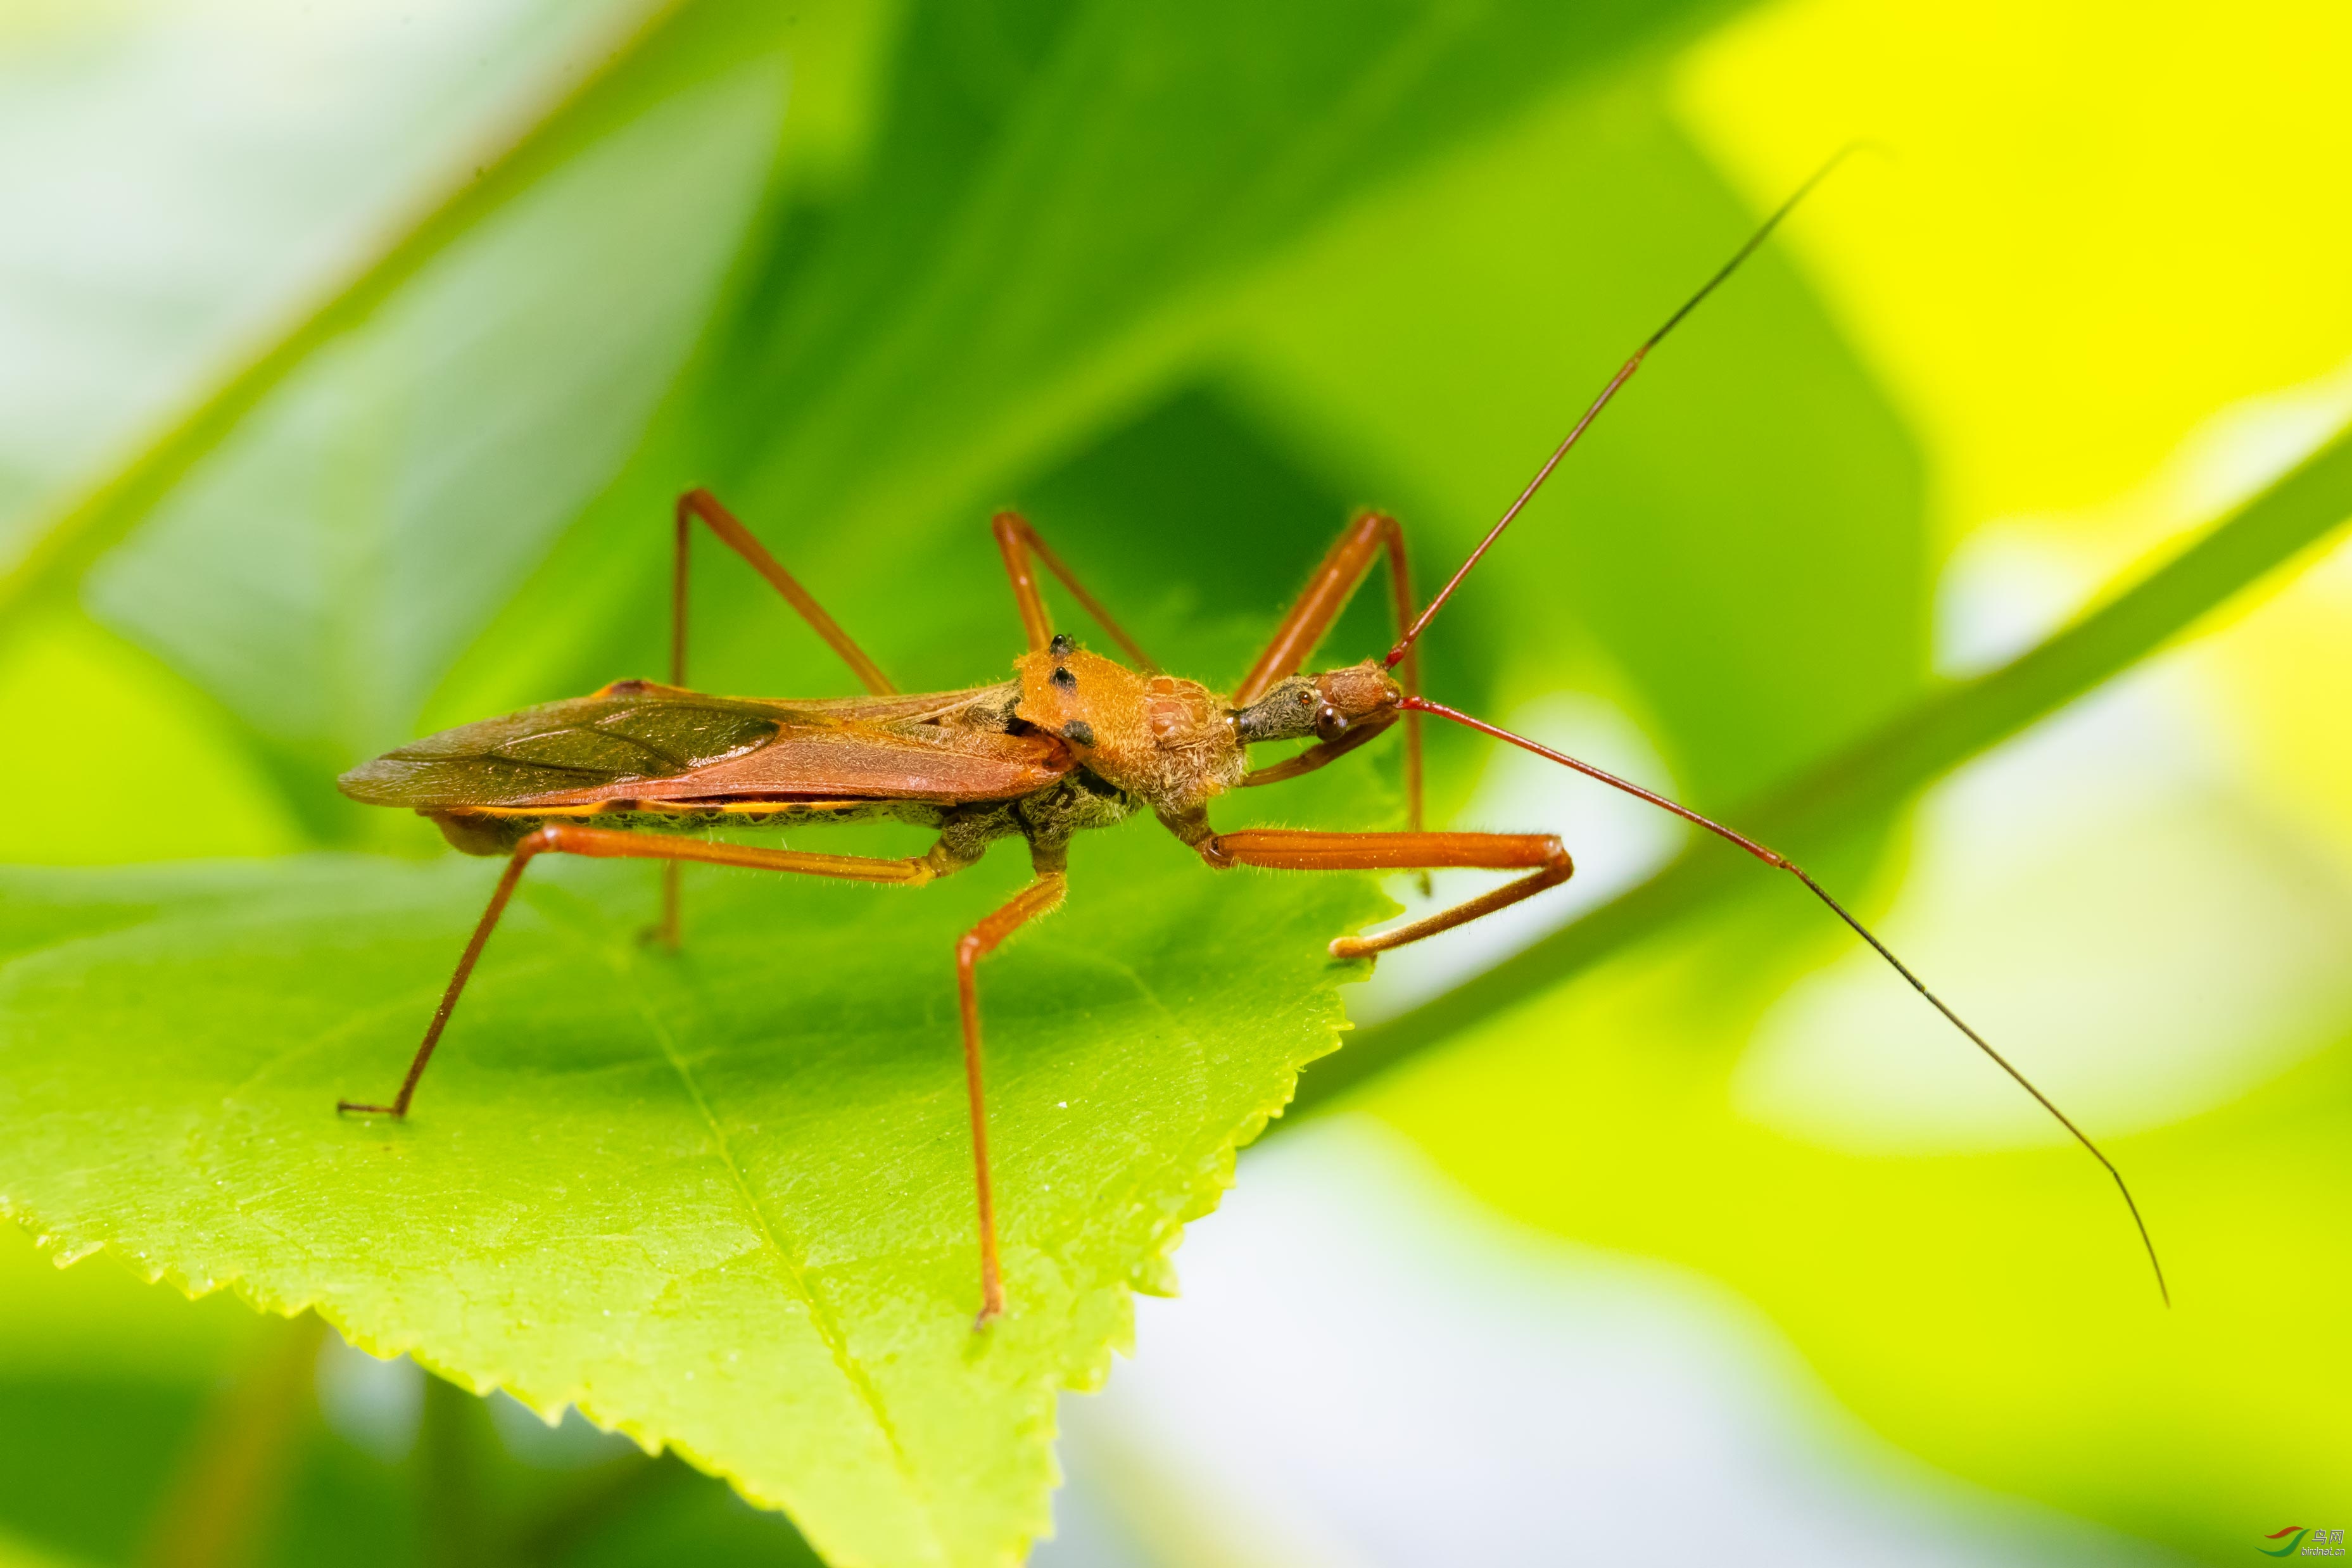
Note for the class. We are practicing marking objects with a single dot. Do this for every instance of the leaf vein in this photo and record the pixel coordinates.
(794, 1267)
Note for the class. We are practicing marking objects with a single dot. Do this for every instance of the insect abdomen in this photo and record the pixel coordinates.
(498, 831)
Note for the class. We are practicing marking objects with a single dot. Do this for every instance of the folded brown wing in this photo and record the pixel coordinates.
(650, 742)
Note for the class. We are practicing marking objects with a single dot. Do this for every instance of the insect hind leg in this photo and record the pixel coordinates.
(608, 843)
(664, 931)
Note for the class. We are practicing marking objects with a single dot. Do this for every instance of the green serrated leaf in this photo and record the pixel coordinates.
(720, 1201)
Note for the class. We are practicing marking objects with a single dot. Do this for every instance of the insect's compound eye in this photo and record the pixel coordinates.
(1078, 732)
(1063, 679)
(1061, 644)
(1329, 724)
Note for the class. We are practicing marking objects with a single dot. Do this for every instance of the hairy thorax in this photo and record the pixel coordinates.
(1168, 741)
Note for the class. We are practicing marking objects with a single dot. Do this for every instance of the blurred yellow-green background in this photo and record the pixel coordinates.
(1723, 1248)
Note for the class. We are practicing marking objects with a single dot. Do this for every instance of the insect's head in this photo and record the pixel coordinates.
(1360, 699)
(1165, 738)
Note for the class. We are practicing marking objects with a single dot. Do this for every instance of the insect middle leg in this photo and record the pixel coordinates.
(1287, 850)
(701, 503)
(569, 838)
(1018, 541)
(1040, 896)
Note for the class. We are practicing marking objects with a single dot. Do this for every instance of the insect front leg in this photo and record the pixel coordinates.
(1287, 850)
(1372, 538)
(1017, 541)
(569, 838)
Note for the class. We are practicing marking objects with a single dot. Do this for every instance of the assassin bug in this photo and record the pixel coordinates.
(1074, 741)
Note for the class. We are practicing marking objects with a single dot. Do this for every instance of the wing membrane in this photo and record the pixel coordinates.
(638, 741)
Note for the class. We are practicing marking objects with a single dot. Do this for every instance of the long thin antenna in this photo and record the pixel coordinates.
(1625, 373)
(1775, 858)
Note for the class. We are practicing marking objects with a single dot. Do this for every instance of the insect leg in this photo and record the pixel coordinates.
(665, 930)
(1018, 541)
(1372, 537)
(569, 838)
(1289, 850)
(1040, 897)
(701, 503)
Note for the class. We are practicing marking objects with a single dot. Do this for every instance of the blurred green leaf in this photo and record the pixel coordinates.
(926, 333)
(119, 1396)
(60, 550)
(1990, 1310)
(321, 572)
(178, 179)
(81, 691)
(722, 1201)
